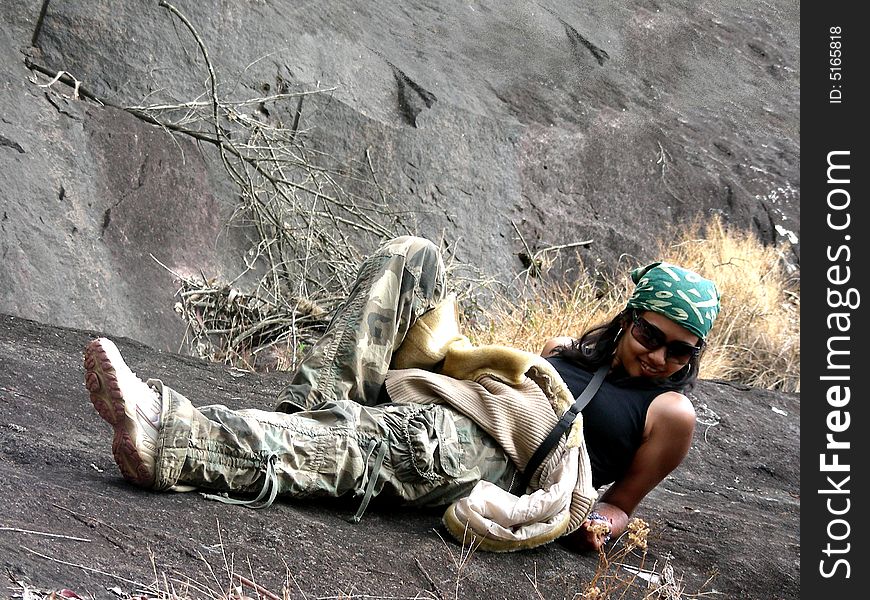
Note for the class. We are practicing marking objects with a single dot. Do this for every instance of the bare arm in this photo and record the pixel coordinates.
(670, 424)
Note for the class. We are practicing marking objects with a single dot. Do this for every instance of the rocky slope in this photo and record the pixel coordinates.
(730, 512)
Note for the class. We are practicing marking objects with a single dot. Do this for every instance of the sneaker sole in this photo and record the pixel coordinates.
(105, 372)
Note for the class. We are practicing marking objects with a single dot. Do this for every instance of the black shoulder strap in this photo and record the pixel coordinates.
(563, 425)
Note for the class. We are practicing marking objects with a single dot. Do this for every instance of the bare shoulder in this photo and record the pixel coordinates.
(673, 409)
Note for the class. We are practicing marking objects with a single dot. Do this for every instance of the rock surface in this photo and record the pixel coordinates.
(730, 512)
(561, 121)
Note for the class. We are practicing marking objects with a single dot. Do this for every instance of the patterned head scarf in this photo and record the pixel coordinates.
(679, 294)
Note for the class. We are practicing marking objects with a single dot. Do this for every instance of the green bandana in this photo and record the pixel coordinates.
(679, 294)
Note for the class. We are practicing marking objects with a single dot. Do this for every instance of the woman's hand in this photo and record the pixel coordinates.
(597, 531)
(592, 534)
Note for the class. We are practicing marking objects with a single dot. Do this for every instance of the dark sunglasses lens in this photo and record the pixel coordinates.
(681, 352)
(652, 338)
(649, 336)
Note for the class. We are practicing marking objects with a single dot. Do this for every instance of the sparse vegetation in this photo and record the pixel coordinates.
(622, 573)
(756, 340)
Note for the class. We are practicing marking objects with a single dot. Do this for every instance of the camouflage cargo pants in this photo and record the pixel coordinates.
(394, 286)
(342, 441)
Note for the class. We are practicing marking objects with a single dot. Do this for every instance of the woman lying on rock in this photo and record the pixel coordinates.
(393, 399)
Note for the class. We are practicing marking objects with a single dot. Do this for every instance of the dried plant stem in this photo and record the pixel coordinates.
(82, 567)
(256, 587)
(45, 534)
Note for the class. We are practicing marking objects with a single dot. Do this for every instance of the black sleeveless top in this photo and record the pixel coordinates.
(613, 421)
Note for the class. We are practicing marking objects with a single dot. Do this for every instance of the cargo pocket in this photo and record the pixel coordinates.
(428, 448)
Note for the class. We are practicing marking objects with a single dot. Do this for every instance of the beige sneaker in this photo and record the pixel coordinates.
(131, 407)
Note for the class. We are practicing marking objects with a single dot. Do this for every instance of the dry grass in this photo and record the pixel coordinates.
(558, 309)
(624, 572)
(756, 340)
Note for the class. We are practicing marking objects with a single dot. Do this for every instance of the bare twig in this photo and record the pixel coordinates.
(89, 521)
(563, 247)
(435, 589)
(662, 160)
(533, 580)
(212, 78)
(256, 586)
(194, 105)
(45, 534)
(531, 264)
(39, 20)
(82, 567)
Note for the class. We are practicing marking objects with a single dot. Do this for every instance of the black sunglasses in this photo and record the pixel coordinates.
(652, 338)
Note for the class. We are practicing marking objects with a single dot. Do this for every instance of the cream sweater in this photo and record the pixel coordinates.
(515, 396)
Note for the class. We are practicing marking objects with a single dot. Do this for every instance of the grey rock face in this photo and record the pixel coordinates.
(564, 122)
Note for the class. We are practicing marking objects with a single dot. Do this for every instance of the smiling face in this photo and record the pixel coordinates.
(640, 361)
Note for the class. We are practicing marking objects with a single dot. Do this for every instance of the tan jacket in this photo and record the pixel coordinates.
(521, 399)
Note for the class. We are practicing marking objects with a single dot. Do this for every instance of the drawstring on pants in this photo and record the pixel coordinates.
(370, 478)
(270, 487)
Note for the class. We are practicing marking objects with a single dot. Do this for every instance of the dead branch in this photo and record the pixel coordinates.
(256, 587)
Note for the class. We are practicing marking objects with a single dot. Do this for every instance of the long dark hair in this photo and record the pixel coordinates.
(598, 345)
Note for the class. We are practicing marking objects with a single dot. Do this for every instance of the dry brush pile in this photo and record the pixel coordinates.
(294, 206)
(304, 226)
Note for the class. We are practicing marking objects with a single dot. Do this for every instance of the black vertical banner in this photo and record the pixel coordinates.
(835, 425)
